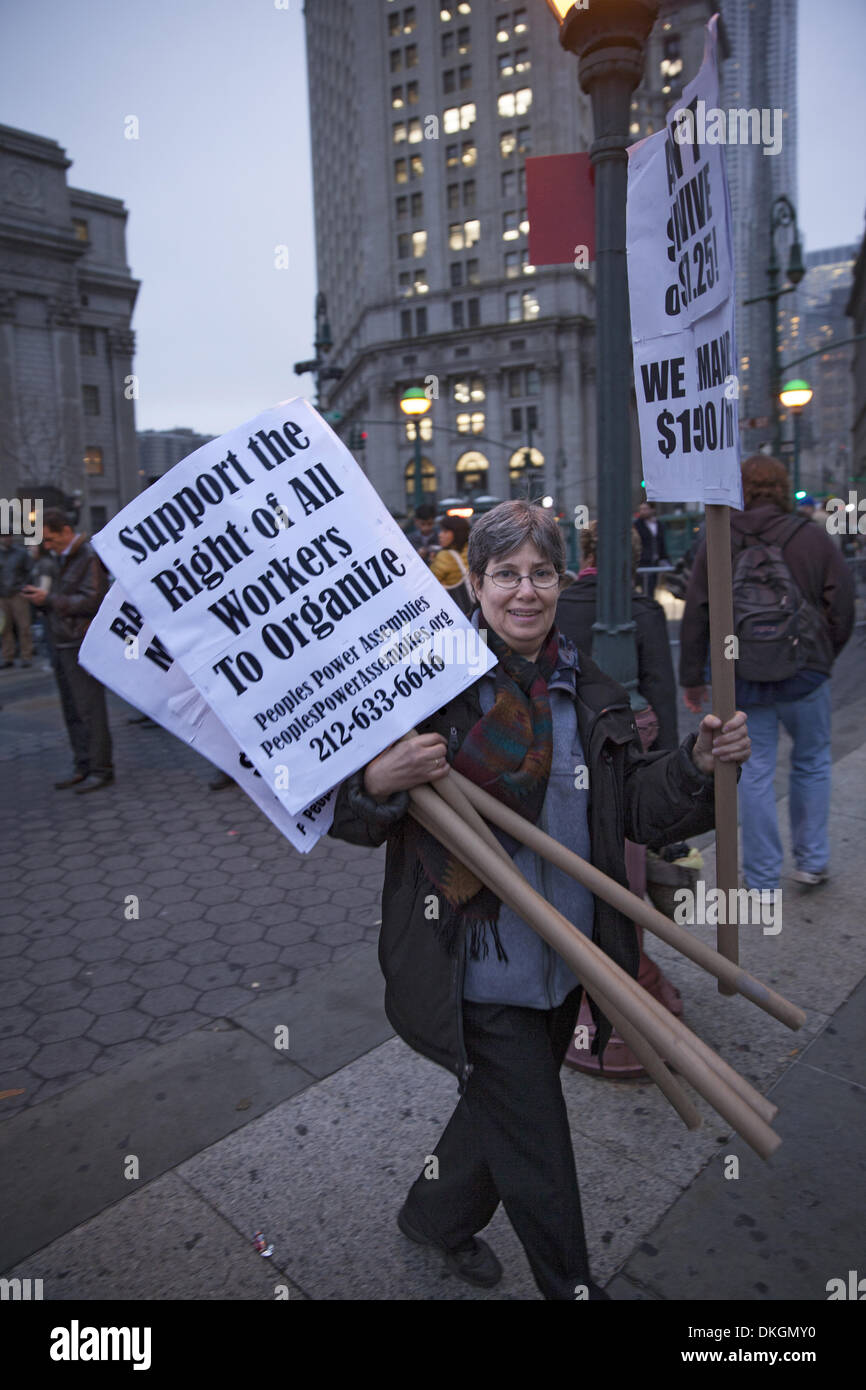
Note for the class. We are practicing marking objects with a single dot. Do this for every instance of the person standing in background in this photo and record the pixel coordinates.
(71, 605)
(423, 533)
(14, 576)
(654, 551)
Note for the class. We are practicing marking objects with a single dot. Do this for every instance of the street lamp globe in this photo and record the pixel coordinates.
(415, 401)
(795, 394)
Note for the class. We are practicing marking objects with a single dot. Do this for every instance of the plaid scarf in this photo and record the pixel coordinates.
(508, 752)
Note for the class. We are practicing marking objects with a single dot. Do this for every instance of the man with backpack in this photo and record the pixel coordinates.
(793, 613)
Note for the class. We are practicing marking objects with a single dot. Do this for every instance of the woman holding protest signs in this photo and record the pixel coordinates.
(468, 983)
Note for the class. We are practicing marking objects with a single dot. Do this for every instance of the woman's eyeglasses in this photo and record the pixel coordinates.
(544, 577)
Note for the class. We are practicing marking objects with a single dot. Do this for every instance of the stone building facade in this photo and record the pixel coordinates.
(67, 387)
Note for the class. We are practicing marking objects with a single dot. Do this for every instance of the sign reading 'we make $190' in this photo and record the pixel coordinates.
(272, 572)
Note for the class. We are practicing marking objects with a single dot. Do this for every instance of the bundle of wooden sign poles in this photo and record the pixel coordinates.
(452, 810)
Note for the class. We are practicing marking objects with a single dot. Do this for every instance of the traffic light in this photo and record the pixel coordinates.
(357, 440)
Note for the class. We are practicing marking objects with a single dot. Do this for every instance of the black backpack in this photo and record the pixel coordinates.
(777, 629)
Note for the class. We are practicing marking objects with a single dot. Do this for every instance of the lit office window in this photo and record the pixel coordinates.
(529, 304)
(401, 171)
(464, 40)
(415, 132)
(507, 143)
(470, 153)
(471, 423)
(398, 132)
(409, 20)
(94, 464)
(416, 166)
(510, 230)
(515, 103)
(419, 244)
(397, 98)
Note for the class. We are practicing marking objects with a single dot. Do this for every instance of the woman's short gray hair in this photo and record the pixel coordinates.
(507, 527)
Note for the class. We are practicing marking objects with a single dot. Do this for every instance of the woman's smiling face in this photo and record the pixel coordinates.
(523, 616)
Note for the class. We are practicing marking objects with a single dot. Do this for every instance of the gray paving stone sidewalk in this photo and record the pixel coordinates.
(226, 907)
(316, 1144)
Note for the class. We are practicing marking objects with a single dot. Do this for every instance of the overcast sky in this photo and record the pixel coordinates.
(220, 174)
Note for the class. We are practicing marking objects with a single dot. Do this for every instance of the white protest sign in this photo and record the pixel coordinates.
(124, 653)
(681, 278)
(270, 569)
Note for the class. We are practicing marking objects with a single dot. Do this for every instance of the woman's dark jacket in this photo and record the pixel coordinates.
(652, 798)
(575, 615)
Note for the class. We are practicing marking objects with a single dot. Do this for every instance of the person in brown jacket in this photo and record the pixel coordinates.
(800, 701)
(70, 608)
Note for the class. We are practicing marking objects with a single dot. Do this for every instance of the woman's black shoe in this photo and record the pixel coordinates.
(474, 1261)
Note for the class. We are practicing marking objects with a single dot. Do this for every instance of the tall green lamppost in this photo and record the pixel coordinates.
(608, 36)
(794, 395)
(415, 403)
(782, 214)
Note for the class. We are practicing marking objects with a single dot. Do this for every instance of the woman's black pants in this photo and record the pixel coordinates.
(508, 1140)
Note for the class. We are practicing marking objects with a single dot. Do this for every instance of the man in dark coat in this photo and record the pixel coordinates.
(71, 605)
(14, 575)
(801, 702)
(652, 540)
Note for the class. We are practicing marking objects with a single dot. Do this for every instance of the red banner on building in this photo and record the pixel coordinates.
(560, 202)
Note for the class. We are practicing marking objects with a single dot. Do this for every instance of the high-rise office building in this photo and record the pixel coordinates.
(422, 117)
(856, 312)
(760, 75)
(160, 450)
(827, 421)
(67, 392)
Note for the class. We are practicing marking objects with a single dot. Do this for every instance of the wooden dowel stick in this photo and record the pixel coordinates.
(450, 791)
(628, 903)
(602, 974)
(646, 1055)
(721, 614)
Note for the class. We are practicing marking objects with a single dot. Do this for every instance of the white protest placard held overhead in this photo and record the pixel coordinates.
(124, 653)
(273, 573)
(681, 292)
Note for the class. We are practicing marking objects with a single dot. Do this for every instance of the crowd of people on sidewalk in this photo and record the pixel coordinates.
(472, 986)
